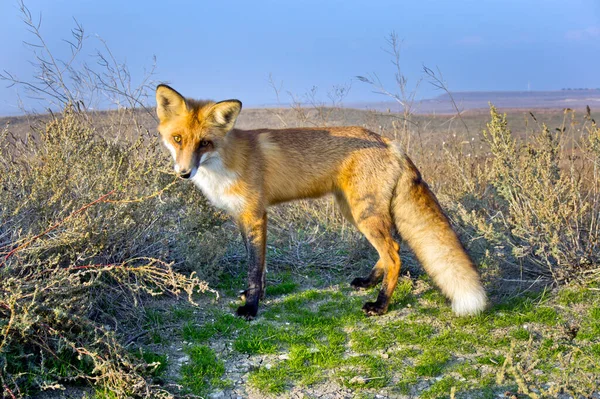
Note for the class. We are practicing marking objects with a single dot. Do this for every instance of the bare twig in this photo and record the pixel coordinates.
(405, 96)
(437, 80)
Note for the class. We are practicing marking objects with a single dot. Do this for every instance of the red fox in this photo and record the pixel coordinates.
(376, 186)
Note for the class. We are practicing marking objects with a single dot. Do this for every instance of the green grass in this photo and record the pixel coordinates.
(467, 370)
(203, 372)
(381, 337)
(257, 341)
(431, 363)
(520, 334)
(103, 393)
(442, 388)
(362, 372)
(492, 360)
(158, 358)
(281, 289)
(310, 337)
(182, 313)
(224, 325)
(525, 309)
(230, 284)
(154, 317)
(573, 295)
(285, 285)
(273, 381)
(590, 328)
(402, 295)
(65, 360)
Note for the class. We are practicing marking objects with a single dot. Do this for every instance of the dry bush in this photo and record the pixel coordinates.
(85, 222)
(92, 223)
(578, 377)
(534, 203)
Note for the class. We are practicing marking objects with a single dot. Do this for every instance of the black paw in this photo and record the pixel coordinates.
(361, 283)
(374, 309)
(247, 311)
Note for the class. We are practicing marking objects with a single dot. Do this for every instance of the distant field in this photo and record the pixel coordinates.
(429, 126)
(478, 100)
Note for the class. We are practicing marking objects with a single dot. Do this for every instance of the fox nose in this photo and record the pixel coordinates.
(185, 174)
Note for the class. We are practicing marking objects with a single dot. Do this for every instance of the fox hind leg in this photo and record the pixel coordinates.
(373, 219)
(378, 231)
(377, 273)
(372, 279)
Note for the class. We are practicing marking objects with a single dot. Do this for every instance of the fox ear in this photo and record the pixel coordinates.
(225, 113)
(169, 103)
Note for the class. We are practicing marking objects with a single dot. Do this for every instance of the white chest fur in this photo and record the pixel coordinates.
(215, 180)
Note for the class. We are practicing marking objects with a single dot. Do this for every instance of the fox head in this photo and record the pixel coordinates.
(193, 130)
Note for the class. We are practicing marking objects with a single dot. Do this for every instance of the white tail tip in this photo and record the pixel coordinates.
(470, 302)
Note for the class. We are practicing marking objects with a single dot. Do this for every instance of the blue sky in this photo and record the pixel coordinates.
(227, 49)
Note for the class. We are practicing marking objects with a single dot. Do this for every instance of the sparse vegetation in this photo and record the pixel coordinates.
(79, 256)
(311, 330)
(307, 339)
(94, 226)
(203, 371)
(545, 193)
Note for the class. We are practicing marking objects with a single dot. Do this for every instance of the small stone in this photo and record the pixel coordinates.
(268, 366)
(183, 359)
(358, 380)
(285, 356)
(217, 395)
(385, 355)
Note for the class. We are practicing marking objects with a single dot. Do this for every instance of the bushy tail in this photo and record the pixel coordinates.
(421, 222)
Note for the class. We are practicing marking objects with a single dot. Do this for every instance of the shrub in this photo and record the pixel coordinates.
(90, 227)
(539, 199)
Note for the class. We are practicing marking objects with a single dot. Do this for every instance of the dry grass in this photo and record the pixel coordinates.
(87, 225)
(535, 201)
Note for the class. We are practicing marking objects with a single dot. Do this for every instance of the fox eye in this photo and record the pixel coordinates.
(177, 139)
(204, 143)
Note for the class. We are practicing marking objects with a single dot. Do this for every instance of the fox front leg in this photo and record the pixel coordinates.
(254, 233)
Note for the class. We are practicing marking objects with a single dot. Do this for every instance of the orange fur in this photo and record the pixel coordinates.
(377, 187)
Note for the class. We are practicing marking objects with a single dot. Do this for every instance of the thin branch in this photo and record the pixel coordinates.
(437, 81)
